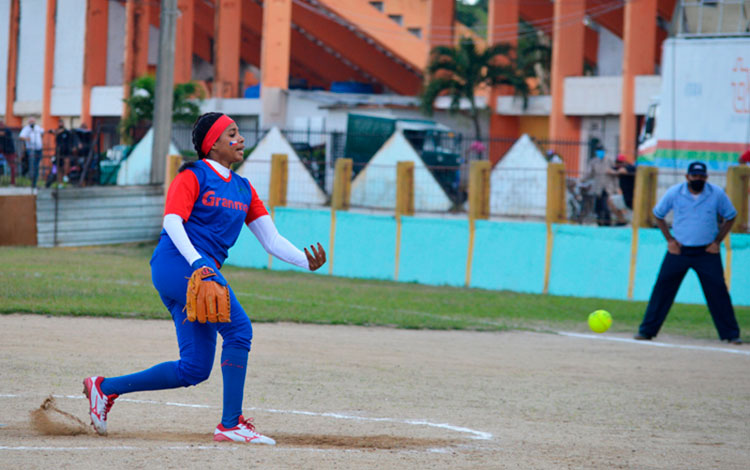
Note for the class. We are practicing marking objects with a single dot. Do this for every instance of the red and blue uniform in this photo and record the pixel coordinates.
(213, 209)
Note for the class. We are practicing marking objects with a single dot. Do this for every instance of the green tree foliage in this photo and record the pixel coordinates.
(140, 105)
(534, 56)
(473, 15)
(458, 71)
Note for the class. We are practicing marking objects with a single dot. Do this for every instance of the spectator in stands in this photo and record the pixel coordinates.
(626, 176)
(83, 138)
(64, 143)
(31, 135)
(745, 158)
(8, 150)
(601, 171)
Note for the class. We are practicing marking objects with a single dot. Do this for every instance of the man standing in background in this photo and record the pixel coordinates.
(31, 135)
(8, 149)
(694, 244)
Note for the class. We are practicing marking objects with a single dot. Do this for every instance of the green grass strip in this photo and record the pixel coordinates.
(115, 281)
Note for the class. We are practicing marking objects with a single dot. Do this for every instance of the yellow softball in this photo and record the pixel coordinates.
(600, 321)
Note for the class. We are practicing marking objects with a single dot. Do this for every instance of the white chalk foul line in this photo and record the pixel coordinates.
(480, 435)
(473, 434)
(656, 344)
(46, 448)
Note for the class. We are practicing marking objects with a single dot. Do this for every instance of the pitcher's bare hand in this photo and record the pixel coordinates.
(318, 258)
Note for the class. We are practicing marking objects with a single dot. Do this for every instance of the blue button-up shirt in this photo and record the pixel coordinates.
(695, 218)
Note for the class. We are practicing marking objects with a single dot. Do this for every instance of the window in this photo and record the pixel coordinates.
(416, 31)
(397, 18)
(378, 5)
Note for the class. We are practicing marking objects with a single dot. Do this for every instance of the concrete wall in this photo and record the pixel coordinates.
(610, 53)
(70, 31)
(98, 215)
(586, 261)
(31, 39)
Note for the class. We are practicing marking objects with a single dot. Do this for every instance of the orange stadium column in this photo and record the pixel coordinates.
(183, 57)
(10, 85)
(274, 60)
(95, 54)
(638, 59)
(49, 122)
(136, 42)
(440, 29)
(567, 61)
(227, 34)
(502, 27)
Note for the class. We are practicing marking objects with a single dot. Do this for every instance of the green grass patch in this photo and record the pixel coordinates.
(115, 281)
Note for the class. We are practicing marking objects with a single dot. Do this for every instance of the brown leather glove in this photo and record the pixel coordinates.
(207, 301)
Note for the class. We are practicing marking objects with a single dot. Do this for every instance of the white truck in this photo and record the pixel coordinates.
(703, 111)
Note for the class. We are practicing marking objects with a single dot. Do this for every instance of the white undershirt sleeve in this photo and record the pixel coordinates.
(178, 235)
(269, 237)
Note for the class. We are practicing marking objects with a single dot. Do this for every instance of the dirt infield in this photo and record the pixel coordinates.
(352, 397)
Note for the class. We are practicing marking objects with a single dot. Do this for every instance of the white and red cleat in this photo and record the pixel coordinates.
(99, 403)
(243, 432)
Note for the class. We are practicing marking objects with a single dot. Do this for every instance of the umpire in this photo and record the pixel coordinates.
(695, 244)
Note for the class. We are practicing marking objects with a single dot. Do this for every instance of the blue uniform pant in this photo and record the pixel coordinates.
(197, 341)
(709, 269)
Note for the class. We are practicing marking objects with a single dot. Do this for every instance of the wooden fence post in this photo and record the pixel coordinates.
(171, 169)
(479, 190)
(278, 183)
(479, 205)
(404, 202)
(340, 200)
(644, 196)
(342, 185)
(556, 198)
(738, 179)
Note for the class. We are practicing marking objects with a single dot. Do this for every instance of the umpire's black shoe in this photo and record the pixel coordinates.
(736, 341)
(641, 337)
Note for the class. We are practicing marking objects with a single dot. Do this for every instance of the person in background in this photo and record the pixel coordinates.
(605, 185)
(63, 153)
(693, 243)
(8, 149)
(31, 135)
(745, 158)
(626, 176)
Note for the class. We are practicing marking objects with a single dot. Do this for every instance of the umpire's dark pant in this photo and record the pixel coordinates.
(711, 275)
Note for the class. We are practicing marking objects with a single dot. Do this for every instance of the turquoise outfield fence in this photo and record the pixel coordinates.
(586, 261)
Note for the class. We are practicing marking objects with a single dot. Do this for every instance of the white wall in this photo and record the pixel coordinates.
(70, 31)
(31, 39)
(4, 26)
(610, 53)
(115, 43)
(106, 101)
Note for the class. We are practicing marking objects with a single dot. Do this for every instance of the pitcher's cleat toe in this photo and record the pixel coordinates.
(243, 432)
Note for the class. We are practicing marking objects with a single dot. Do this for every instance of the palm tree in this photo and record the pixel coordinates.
(534, 56)
(140, 105)
(458, 71)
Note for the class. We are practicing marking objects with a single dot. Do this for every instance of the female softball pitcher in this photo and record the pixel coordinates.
(206, 205)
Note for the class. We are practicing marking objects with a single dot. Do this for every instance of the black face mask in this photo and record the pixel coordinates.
(697, 185)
